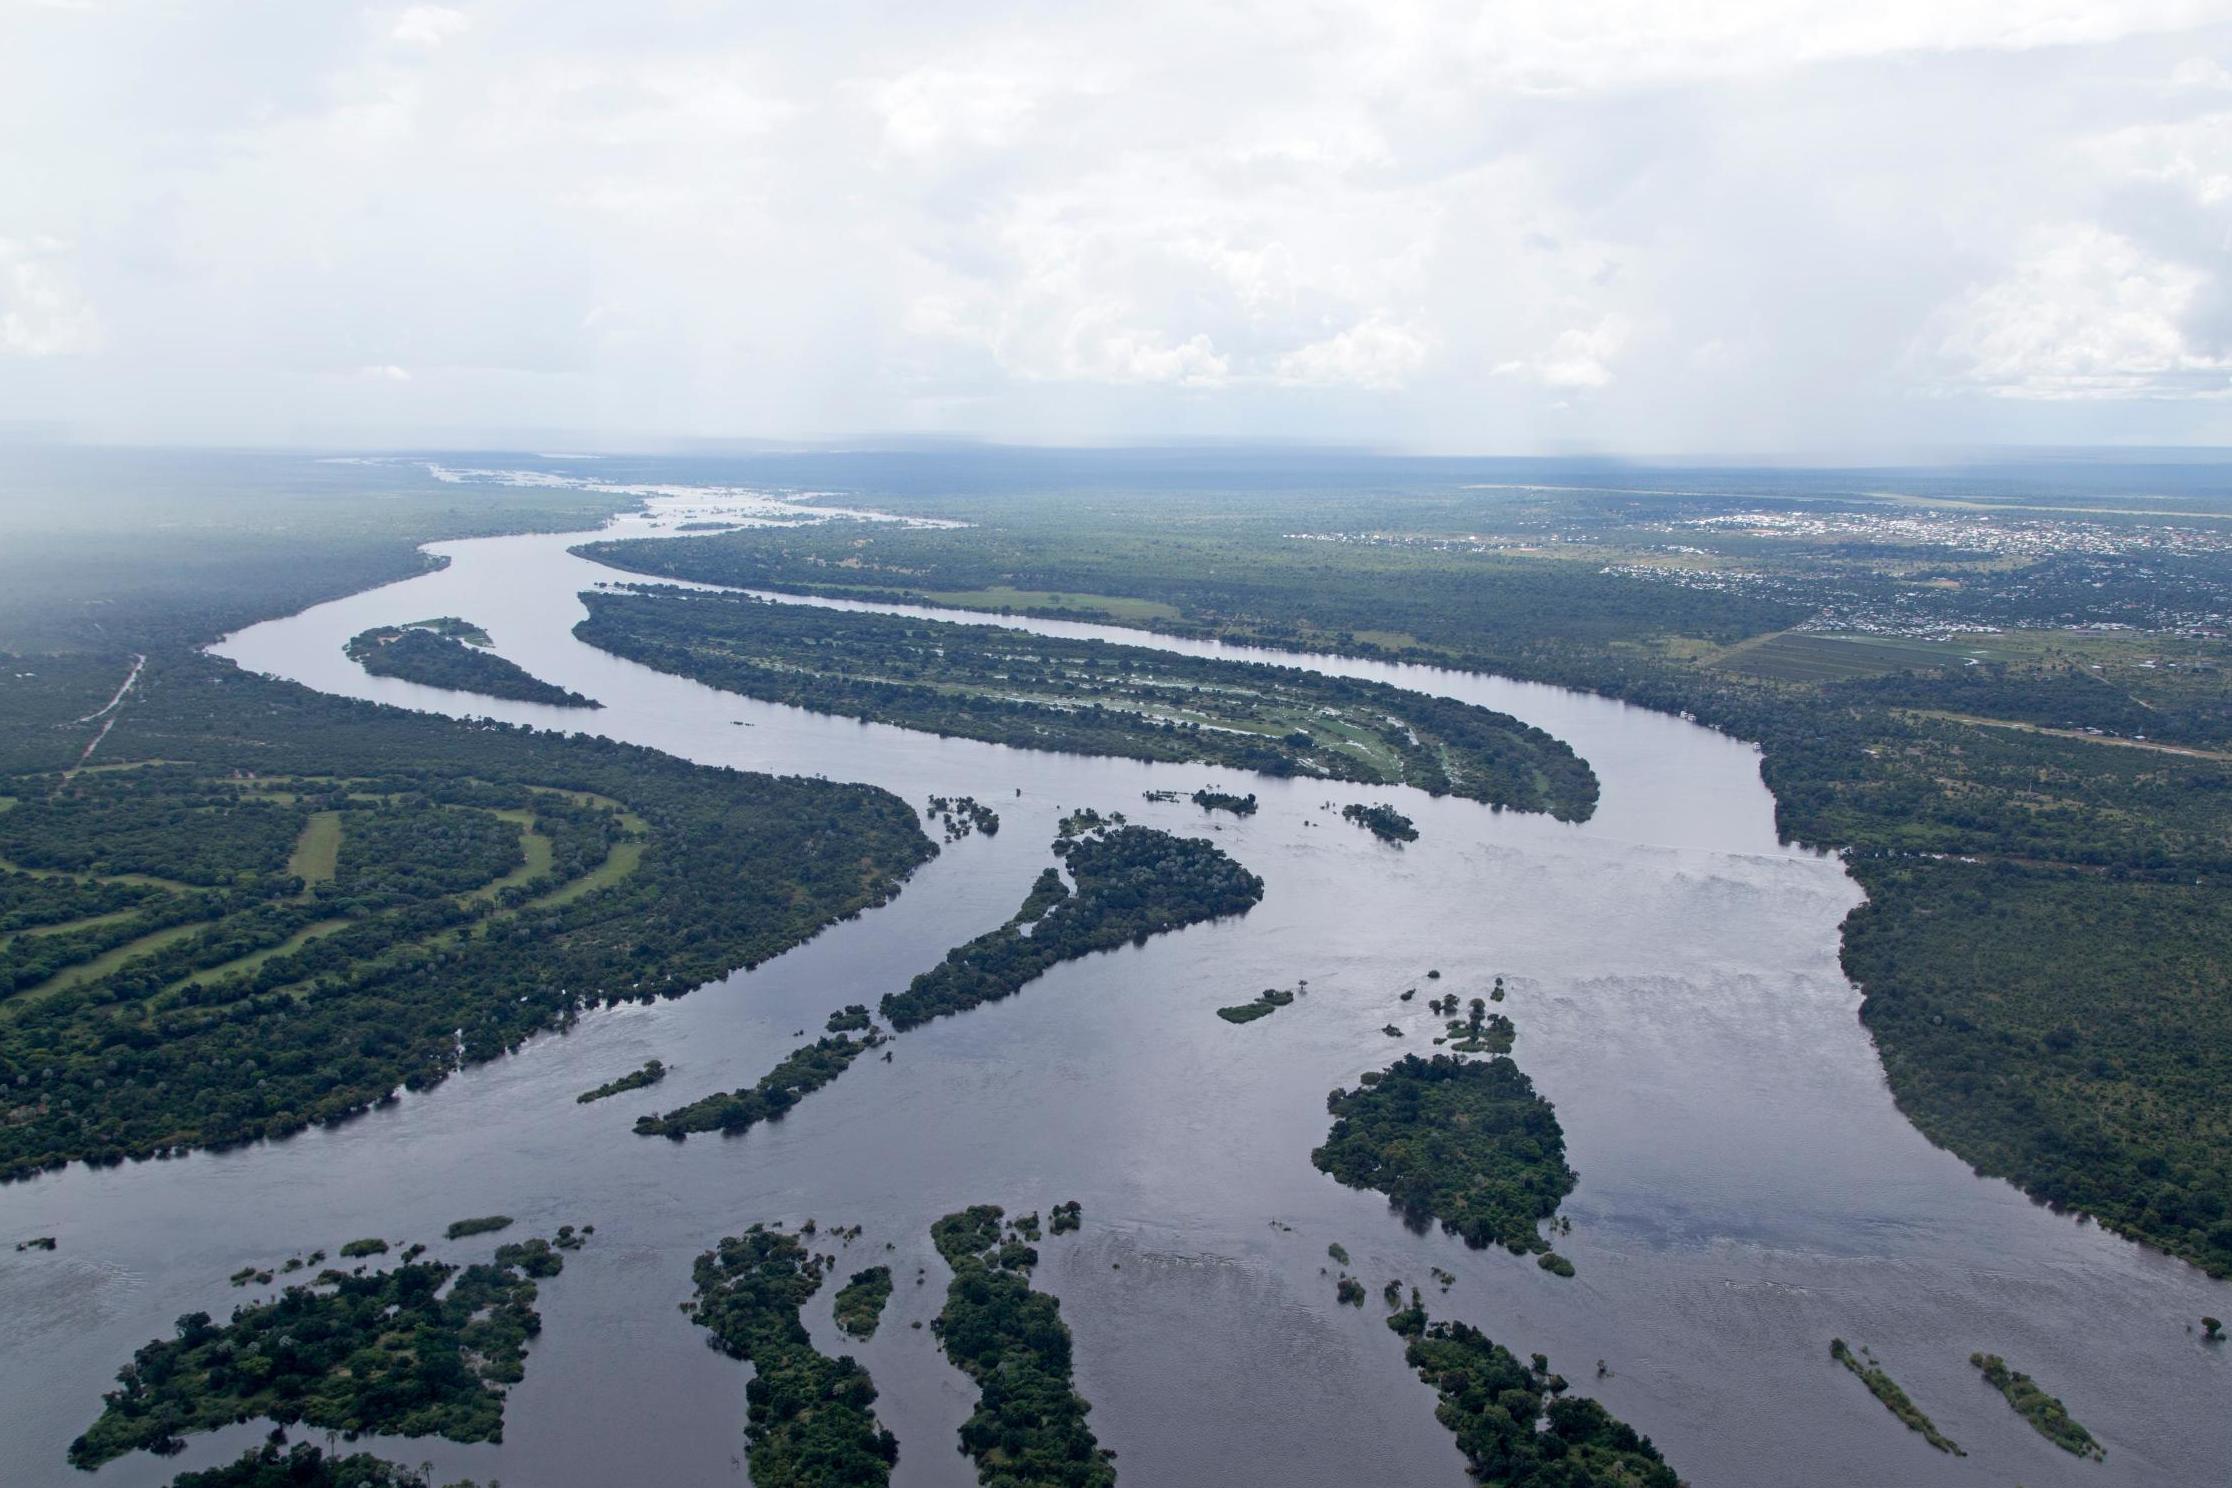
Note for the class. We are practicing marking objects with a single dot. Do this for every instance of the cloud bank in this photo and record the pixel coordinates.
(1731, 225)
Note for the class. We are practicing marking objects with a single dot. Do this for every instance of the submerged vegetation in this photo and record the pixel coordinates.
(1132, 883)
(1464, 1141)
(810, 1420)
(652, 1072)
(1894, 1399)
(963, 815)
(1514, 1422)
(1382, 821)
(2047, 1415)
(336, 900)
(1090, 697)
(449, 653)
(423, 1349)
(1028, 1429)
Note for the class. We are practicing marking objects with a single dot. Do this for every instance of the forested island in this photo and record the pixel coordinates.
(803, 1071)
(1264, 1004)
(1214, 800)
(1894, 1399)
(1382, 821)
(1091, 697)
(1464, 1141)
(2040, 946)
(1029, 1428)
(810, 1420)
(450, 653)
(1132, 883)
(424, 1348)
(1514, 1422)
(651, 1073)
(284, 926)
(2047, 1415)
(304, 1466)
(860, 1302)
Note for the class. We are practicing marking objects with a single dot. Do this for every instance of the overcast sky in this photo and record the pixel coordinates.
(1641, 226)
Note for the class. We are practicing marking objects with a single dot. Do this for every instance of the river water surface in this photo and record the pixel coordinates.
(1747, 1189)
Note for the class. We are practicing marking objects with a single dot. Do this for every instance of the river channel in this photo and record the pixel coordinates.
(1747, 1188)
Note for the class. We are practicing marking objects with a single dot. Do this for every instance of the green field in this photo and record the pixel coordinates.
(1798, 656)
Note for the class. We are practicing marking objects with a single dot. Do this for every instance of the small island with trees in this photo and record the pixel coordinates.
(1266, 1002)
(1132, 883)
(2047, 1415)
(1895, 1400)
(810, 1419)
(452, 654)
(652, 1072)
(1029, 1424)
(803, 1071)
(424, 1348)
(860, 1302)
(1216, 800)
(1514, 1422)
(1464, 1141)
(1382, 821)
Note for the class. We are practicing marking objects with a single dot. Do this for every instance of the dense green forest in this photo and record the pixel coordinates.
(1132, 882)
(1091, 697)
(326, 900)
(439, 658)
(2041, 950)
(1514, 1422)
(810, 1420)
(304, 1466)
(1464, 1141)
(425, 1348)
(1029, 1428)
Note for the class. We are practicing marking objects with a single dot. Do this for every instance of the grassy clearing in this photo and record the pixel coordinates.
(318, 849)
(108, 961)
(1807, 657)
(254, 959)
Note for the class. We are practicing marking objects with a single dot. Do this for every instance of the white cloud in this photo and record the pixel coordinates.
(428, 25)
(1612, 221)
(2192, 155)
(2083, 314)
(41, 312)
(1373, 353)
(1579, 358)
(2201, 73)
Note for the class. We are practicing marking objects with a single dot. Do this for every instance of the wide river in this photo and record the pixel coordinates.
(1747, 1189)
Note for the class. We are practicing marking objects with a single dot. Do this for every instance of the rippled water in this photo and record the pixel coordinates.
(1747, 1188)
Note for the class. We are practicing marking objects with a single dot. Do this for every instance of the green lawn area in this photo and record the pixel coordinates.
(318, 849)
